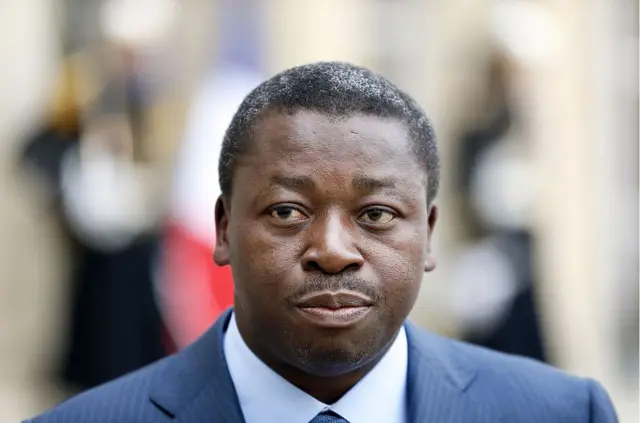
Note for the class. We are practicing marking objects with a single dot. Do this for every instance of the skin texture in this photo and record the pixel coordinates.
(325, 203)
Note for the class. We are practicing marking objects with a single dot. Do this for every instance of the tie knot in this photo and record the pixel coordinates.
(328, 417)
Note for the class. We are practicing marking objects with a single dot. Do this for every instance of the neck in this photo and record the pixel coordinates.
(326, 389)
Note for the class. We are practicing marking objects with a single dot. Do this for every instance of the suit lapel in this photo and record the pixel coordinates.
(438, 378)
(195, 385)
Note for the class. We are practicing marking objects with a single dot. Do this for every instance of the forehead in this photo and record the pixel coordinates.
(313, 141)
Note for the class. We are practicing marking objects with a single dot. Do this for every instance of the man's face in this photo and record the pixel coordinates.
(327, 233)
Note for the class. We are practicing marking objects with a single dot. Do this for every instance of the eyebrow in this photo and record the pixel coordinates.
(361, 183)
(368, 184)
(387, 186)
(294, 183)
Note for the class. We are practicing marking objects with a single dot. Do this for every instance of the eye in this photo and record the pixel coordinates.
(377, 216)
(287, 214)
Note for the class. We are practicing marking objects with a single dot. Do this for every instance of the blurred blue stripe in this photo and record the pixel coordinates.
(242, 33)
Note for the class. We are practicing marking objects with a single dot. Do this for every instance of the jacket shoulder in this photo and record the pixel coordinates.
(525, 390)
(123, 400)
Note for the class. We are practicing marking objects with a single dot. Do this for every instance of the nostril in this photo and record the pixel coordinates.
(312, 265)
(352, 266)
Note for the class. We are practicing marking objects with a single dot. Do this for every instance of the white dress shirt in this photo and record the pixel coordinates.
(266, 397)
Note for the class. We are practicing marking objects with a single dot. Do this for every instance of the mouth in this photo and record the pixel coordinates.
(335, 300)
(335, 309)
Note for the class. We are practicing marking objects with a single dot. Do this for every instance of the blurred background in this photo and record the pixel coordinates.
(111, 118)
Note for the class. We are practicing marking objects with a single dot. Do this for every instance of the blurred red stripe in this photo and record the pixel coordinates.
(195, 291)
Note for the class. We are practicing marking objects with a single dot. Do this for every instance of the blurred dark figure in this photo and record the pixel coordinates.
(86, 153)
(494, 281)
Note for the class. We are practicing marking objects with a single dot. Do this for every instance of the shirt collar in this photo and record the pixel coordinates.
(266, 397)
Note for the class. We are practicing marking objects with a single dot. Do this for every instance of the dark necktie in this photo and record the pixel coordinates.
(328, 417)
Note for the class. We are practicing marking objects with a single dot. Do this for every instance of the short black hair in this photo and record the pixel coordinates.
(334, 89)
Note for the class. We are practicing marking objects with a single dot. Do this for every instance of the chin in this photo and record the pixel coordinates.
(329, 368)
(332, 361)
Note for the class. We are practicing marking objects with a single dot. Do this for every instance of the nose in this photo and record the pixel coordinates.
(331, 247)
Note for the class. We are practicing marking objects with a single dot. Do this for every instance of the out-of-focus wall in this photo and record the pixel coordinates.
(583, 210)
(31, 256)
(29, 48)
(302, 32)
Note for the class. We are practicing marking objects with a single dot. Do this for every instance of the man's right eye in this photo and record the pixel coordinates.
(287, 214)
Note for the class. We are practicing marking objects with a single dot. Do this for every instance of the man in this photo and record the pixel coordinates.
(328, 175)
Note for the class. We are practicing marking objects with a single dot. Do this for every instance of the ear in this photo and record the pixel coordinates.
(430, 261)
(221, 251)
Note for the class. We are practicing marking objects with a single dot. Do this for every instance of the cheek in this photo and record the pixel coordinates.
(400, 288)
(399, 272)
(261, 262)
(399, 265)
(406, 246)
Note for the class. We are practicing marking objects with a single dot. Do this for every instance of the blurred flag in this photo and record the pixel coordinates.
(193, 290)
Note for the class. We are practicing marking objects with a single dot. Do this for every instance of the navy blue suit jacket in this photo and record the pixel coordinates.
(448, 382)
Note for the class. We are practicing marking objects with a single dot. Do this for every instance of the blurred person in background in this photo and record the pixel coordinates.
(329, 175)
(493, 284)
(89, 156)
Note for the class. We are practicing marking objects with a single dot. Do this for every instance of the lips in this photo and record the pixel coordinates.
(334, 309)
(335, 300)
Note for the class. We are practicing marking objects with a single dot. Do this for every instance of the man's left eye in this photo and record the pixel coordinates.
(377, 216)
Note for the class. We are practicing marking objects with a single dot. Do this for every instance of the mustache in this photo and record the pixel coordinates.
(343, 282)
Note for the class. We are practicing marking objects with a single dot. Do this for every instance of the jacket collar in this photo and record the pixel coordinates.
(195, 384)
(438, 380)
